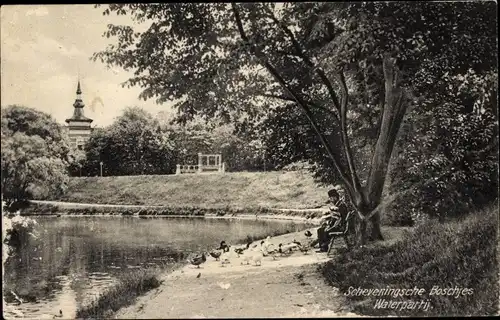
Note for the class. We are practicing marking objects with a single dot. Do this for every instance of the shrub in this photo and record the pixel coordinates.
(18, 231)
(454, 254)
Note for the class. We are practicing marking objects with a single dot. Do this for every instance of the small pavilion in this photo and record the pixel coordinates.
(206, 163)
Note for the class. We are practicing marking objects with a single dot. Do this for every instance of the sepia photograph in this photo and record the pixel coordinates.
(250, 160)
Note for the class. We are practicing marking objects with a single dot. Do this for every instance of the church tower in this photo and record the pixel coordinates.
(79, 129)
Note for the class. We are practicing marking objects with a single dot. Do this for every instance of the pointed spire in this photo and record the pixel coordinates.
(78, 107)
(78, 89)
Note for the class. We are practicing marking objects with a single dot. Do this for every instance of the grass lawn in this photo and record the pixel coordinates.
(290, 190)
(459, 254)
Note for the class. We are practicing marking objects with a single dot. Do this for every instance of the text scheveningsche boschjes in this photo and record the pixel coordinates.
(417, 304)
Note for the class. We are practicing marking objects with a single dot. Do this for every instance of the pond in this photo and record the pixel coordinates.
(76, 258)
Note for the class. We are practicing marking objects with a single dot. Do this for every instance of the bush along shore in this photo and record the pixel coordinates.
(452, 265)
(189, 211)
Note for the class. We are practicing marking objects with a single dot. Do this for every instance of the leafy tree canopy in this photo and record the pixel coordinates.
(34, 155)
(133, 144)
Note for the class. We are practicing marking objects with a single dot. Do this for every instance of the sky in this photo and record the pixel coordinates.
(45, 49)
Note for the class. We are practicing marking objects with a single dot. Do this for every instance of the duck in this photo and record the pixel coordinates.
(265, 245)
(239, 250)
(270, 250)
(287, 248)
(253, 255)
(305, 248)
(196, 261)
(257, 257)
(246, 258)
(216, 254)
(280, 248)
(223, 246)
(224, 259)
(308, 233)
(290, 246)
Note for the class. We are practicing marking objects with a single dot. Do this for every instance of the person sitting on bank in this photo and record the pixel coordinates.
(332, 222)
(338, 211)
(323, 238)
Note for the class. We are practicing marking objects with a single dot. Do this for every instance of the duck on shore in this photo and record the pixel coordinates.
(224, 259)
(241, 249)
(223, 246)
(305, 248)
(268, 249)
(254, 255)
(266, 245)
(196, 261)
(294, 245)
(287, 248)
(296, 242)
(216, 254)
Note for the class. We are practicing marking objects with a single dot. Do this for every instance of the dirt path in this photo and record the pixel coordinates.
(289, 286)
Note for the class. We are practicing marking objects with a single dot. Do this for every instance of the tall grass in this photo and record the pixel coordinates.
(454, 254)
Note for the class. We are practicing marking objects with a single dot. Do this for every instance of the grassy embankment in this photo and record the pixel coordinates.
(455, 254)
(230, 193)
(124, 293)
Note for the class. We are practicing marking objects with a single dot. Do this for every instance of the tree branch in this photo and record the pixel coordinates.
(306, 59)
(316, 106)
(298, 99)
(343, 129)
(277, 96)
(342, 109)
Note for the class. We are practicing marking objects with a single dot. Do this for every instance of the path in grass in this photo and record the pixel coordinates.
(287, 287)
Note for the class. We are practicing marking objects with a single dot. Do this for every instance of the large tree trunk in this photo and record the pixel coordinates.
(375, 231)
(368, 230)
(392, 117)
(361, 232)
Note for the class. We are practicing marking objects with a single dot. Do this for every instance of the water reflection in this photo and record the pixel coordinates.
(77, 258)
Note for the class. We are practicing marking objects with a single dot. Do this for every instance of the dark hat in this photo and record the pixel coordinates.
(333, 193)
